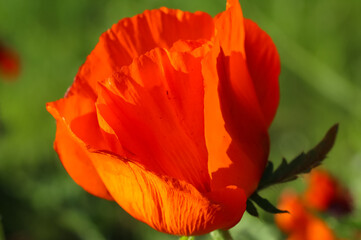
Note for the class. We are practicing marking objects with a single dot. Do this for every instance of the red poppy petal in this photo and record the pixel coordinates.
(74, 156)
(321, 189)
(155, 107)
(118, 46)
(167, 204)
(264, 67)
(132, 37)
(244, 145)
(326, 193)
(230, 28)
(236, 135)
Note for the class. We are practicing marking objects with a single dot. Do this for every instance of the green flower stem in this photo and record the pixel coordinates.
(186, 238)
(221, 235)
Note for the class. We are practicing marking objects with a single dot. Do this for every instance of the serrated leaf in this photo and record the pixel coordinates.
(267, 174)
(265, 204)
(282, 167)
(251, 209)
(303, 163)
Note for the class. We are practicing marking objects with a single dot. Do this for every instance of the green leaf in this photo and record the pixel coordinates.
(267, 174)
(265, 204)
(303, 163)
(251, 209)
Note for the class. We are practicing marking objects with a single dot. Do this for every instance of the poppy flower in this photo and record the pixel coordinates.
(300, 223)
(169, 117)
(9, 63)
(326, 194)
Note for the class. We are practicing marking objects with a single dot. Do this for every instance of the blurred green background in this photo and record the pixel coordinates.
(319, 44)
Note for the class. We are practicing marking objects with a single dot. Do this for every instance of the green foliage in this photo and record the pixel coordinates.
(251, 208)
(303, 163)
(265, 204)
(286, 172)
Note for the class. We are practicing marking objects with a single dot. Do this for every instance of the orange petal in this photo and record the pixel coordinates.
(155, 107)
(236, 135)
(299, 223)
(297, 218)
(259, 51)
(168, 204)
(157, 114)
(321, 190)
(118, 46)
(238, 150)
(73, 153)
(132, 37)
(264, 68)
(230, 28)
(318, 229)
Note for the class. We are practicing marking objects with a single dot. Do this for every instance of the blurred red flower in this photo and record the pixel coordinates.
(169, 117)
(9, 63)
(300, 223)
(325, 193)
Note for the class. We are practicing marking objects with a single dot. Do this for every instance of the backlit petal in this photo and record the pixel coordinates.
(74, 155)
(132, 37)
(230, 28)
(168, 204)
(259, 51)
(170, 116)
(155, 107)
(236, 135)
(127, 39)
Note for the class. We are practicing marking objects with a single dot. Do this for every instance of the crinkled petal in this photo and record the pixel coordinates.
(168, 204)
(155, 107)
(132, 37)
(118, 46)
(157, 114)
(264, 67)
